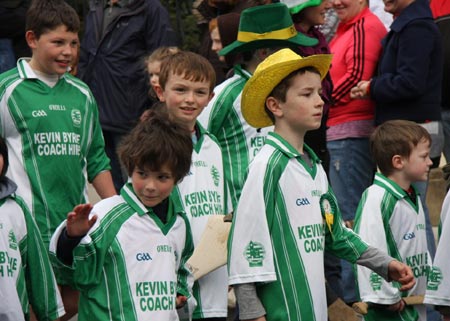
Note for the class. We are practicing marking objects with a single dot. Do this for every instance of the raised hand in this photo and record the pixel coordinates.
(78, 221)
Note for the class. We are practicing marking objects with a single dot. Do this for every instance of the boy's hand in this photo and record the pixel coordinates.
(401, 273)
(78, 222)
(181, 301)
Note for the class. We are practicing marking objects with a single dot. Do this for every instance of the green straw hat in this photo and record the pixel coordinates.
(295, 6)
(267, 26)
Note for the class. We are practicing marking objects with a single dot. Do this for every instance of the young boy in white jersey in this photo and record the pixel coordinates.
(186, 83)
(26, 275)
(390, 217)
(49, 120)
(129, 252)
(287, 215)
(262, 29)
(438, 286)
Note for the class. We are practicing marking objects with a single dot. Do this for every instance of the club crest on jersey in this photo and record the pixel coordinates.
(329, 208)
(215, 175)
(375, 281)
(434, 278)
(255, 253)
(12, 240)
(76, 117)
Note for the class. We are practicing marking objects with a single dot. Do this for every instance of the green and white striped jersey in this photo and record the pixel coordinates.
(55, 142)
(239, 141)
(130, 266)
(26, 275)
(278, 235)
(204, 193)
(389, 220)
(438, 287)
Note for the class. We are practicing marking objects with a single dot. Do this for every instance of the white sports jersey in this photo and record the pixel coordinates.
(24, 262)
(438, 288)
(204, 192)
(278, 234)
(239, 141)
(389, 220)
(55, 142)
(130, 266)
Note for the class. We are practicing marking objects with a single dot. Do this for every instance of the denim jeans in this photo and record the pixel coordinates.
(351, 172)
(7, 59)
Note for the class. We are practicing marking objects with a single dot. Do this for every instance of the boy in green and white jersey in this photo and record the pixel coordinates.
(287, 214)
(438, 287)
(49, 120)
(186, 83)
(26, 275)
(129, 252)
(261, 30)
(390, 217)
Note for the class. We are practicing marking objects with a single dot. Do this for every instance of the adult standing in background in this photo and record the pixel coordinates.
(441, 13)
(356, 48)
(409, 80)
(118, 35)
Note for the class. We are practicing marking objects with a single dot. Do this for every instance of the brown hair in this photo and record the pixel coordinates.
(395, 137)
(156, 142)
(188, 64)
(47, 15)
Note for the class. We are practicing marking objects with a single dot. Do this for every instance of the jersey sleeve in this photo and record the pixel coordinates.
(41, 284)
(370, 225)
(96, 158)
(339, 240)
(185, 277)
(438, 287)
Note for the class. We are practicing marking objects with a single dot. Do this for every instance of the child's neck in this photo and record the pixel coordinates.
(400, 180)
(294, 138)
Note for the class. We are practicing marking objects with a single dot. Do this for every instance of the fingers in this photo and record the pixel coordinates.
(181, 301)
(406, 278)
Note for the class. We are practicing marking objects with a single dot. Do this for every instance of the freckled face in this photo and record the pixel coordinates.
(152, 187)
(185, 99)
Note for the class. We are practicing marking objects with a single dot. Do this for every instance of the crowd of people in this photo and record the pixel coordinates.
(314, 122)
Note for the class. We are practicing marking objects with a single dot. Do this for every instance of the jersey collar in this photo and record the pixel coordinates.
(394, 189)
(278, 142)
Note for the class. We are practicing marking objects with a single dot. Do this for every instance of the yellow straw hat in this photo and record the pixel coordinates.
(269, 74)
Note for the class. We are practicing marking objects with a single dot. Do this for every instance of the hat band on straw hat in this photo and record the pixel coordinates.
(281, 34)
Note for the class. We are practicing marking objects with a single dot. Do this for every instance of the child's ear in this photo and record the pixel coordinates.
(397, 161)
(159, 92)
(273, 105)
(211, 95)
(31, 39)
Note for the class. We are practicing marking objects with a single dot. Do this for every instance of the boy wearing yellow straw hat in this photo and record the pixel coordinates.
(287, 215)
(261, 30)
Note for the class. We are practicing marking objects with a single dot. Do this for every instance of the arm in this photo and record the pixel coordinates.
(360, 59)
(42, 290)
(103, 185)
(409, 78)
(251, 308)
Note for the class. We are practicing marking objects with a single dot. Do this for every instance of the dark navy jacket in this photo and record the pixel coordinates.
(113, 65)
(408, 83)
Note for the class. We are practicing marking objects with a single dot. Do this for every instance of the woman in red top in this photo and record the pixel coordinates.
(355, 47)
